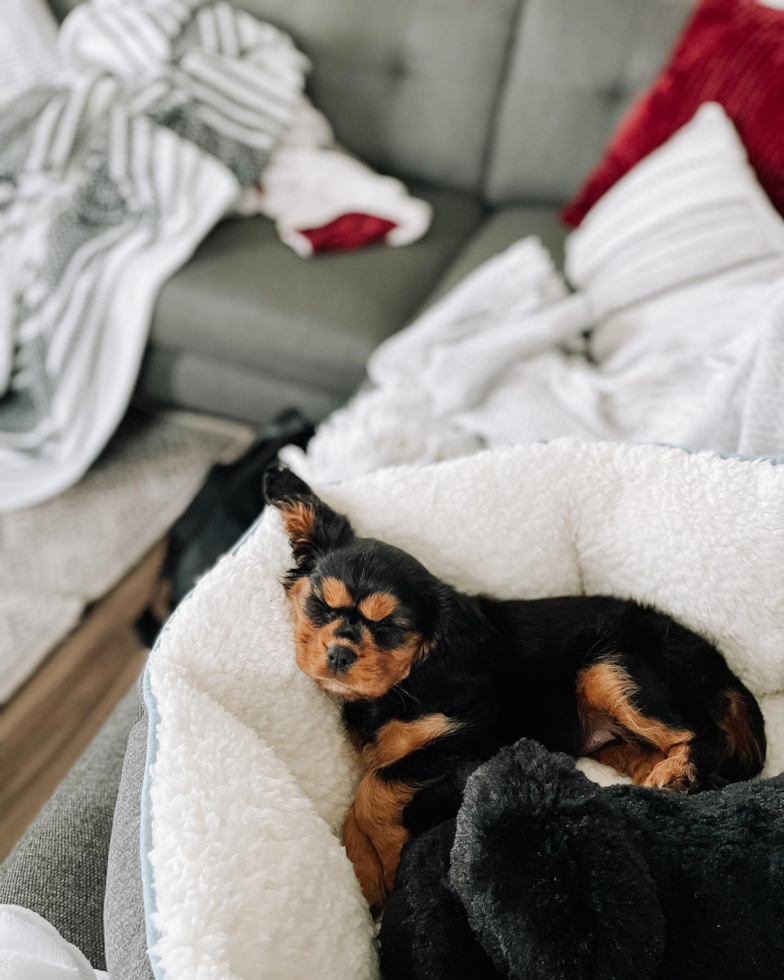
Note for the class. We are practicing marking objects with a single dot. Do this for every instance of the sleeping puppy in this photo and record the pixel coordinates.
(434, 681)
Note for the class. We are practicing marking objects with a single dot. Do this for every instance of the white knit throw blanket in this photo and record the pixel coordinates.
(108, 182)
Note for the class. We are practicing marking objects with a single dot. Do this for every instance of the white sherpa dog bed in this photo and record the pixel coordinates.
(249, 774)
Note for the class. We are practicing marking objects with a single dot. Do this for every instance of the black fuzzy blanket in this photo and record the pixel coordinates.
(545, 875)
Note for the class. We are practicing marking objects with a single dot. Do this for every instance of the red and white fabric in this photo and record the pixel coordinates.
(323, 199)
(319, 196)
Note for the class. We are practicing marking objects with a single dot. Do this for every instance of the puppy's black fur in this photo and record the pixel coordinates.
(455, 677)
(546, 875)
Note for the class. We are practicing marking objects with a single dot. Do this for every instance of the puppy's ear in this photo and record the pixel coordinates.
(313, 527)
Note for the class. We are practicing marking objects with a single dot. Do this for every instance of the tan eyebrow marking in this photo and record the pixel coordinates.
(609, 688)
(335, 593)
(378, 606)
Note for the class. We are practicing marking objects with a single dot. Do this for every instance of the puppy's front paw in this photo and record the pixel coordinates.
(367, 866)
(676, 773)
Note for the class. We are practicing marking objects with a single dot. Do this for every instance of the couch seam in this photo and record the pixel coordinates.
(495, 111)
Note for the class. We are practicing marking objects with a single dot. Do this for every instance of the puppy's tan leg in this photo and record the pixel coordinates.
(363, 856)
(676, 771)
(375, 823)
(655, 754)
(672, 769)
(636, 761)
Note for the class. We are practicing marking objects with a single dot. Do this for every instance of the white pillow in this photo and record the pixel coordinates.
(28, 45)
(691, 211)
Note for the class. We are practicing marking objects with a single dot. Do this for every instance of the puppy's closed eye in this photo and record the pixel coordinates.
(318, 609)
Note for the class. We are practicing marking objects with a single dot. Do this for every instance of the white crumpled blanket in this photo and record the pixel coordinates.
(678, 274)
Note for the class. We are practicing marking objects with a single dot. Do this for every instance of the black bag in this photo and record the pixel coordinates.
(226, 506)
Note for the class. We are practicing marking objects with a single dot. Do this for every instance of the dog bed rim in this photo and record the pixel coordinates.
(153, 717)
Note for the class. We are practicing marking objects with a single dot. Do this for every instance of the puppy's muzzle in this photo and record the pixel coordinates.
(340, 658)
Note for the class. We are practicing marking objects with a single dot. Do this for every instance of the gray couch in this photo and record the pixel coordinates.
(491, 109)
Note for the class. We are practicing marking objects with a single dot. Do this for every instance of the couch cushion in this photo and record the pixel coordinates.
(203, 384)
(409, 85)
(574, 70)
(497, 232)
(247, 301)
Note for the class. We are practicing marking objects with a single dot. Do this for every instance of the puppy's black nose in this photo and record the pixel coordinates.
(340, 658)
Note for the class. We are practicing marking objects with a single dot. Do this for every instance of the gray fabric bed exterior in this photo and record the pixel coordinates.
(78, 864)
(58, 868)
(124, 929)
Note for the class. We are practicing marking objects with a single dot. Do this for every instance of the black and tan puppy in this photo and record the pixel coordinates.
(434, 681)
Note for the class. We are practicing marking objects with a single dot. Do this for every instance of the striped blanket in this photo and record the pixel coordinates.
(109, 180)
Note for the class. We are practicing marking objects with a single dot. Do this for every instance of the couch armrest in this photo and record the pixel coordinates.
(58, 868)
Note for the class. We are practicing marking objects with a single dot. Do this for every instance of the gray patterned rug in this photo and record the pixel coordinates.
(58, 557)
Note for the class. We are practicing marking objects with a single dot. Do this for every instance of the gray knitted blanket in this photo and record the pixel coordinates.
(108, 182)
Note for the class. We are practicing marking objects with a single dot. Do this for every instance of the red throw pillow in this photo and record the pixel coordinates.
(731, 52)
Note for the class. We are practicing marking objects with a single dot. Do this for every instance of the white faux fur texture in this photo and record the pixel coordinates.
(253, 773)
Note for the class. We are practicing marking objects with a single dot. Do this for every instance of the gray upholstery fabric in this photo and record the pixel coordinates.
(58, 869)
(198, 381)
(515, 97)
(409, 85)
(577, 64)
(246, 302)
(497, 232)
(62, 7)
(204, 384)
(124, 927)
